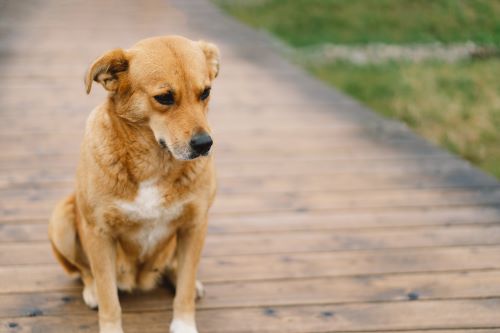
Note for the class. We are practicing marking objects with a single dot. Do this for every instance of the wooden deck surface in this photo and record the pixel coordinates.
(328, 218)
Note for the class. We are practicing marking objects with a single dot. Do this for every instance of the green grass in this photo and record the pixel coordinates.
(310, 22)
(454, 105)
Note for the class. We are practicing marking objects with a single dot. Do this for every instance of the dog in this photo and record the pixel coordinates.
(145, 179)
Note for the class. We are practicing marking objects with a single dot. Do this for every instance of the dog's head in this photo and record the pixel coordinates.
(163, 83)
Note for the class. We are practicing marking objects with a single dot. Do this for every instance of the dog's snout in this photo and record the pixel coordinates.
(201, 143)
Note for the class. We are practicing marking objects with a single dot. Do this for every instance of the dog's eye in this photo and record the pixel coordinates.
(165, 99)
(204, 95)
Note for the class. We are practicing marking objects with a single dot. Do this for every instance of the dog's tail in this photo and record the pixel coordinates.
(63, 235)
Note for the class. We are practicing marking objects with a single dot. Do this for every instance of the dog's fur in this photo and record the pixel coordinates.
(139, 210)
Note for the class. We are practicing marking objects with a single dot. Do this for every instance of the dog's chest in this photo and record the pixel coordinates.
(149, 210)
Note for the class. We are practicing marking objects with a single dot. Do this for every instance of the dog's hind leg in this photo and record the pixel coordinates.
(67, 249)
(89, 291)
(62, 235)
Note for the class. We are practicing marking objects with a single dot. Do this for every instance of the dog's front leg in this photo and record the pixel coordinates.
(101, 251)
(189, 246)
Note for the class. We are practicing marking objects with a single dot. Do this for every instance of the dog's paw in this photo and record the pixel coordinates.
(200, 290)
(111, 328)
(181, 326)
(90, 297)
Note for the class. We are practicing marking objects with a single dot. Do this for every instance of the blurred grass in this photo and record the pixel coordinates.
(310, 22)
(456, 105)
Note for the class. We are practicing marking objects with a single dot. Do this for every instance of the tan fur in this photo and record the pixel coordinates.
(139, 211)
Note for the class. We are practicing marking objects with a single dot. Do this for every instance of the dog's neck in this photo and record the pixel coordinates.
(142, 157)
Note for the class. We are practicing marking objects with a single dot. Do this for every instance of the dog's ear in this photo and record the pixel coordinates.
(106, 70)
(212, 54)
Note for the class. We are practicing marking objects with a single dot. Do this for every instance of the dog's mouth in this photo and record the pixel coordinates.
(163, 144)
(194, 155)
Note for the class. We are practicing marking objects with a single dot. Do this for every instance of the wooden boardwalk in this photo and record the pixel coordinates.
(328, 218)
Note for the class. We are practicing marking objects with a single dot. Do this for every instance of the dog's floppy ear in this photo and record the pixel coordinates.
(212, 54)
(105, 70)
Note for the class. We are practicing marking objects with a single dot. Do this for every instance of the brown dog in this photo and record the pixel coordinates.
(145, 179)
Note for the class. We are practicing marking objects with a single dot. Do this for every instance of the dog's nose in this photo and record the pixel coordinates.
(201, 143)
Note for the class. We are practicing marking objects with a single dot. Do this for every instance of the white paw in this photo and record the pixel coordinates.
(181, 326)
(89, 296)
(200, 290)
(111, 328)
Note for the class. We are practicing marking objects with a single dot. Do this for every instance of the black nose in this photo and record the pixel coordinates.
(201, 143)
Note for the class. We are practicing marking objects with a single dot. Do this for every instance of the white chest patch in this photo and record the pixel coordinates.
(148, 208)
(147, 205)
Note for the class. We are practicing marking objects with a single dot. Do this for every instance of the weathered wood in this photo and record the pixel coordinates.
(28, 278)
(48, 159)
(271, 145)
(283, 183)
(364, 130)
(39, 205)
(298, 221)
(222, 135)
(255, 267)
(296, 166)
(300, 319)
(310, 291)
(220, 245)
(39, 196)
(383, 175)
(330, 235)
(324, 220)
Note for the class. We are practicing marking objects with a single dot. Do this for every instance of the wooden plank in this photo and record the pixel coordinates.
(297, 221)
(40, 206)
(220, 245)
(331, 318)
(350, 182)
(330, 171)
(367, 130)
(286, 183)
(30, 278)
(314, 241)
(251, 184)
(234, 129)
(24, 232)
(58, 64)
(275, 151)
(230, 167)
(243, 122)
(255, 267)
(325, 226)
(250, 203)
(261, 136)
(390, 218)
(269, 113)
(338, 290)
(259, 147)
